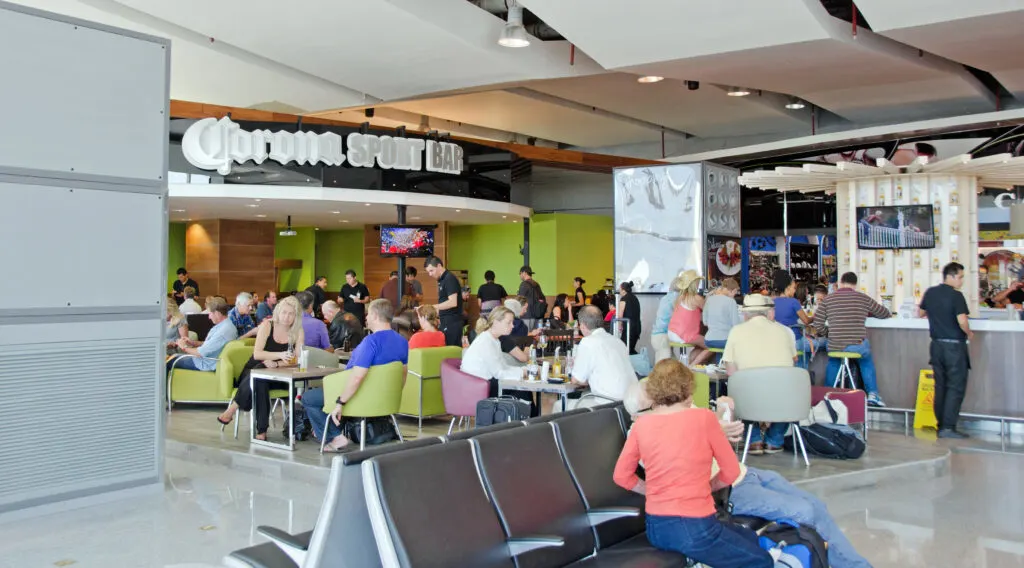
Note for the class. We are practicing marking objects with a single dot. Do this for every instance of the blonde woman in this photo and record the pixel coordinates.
(428, 335)
(684, 327)
(177, 327)
(276, 340)
(483, 357)
(659, 333)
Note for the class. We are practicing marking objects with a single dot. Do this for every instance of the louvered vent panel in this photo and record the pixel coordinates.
(77, 416)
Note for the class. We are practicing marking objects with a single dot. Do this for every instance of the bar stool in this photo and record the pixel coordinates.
(844, 370)
(684, 351)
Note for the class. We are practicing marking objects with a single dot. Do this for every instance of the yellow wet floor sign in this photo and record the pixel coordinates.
(924, 411)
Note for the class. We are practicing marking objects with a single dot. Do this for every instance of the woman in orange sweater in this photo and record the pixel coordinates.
(677, 444)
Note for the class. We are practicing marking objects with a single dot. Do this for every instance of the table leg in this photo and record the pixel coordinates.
(565, 400)
(291, 418)
(252, 410)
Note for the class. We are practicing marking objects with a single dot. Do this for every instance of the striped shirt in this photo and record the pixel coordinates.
(845, 311)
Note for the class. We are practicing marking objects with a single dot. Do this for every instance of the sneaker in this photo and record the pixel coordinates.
(756, 448)
(949, 433)
(770, 449)
(875, 400)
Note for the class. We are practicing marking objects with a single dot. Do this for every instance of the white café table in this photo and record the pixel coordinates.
(290, 375)
(561, 389)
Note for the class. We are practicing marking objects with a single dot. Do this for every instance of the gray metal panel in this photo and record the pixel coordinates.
(108, 244)
(87, 100)
(722, 200)
(103, 387)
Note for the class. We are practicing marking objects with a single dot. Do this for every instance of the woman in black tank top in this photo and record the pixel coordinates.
(269, 352)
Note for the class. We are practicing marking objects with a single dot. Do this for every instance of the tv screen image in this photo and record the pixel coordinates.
(895, 227)
(406, 240)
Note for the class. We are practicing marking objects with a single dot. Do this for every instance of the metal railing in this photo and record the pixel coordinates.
(887, 237)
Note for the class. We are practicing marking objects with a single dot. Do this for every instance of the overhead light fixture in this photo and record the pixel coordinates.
(257, 200)
(188, 219)
(178, 210)
(738, 92)
(693, 85)
(316, 228)
(795, 104)
(253, 205)
(514, 34)
(458, 210)
(344, 220)
(289, 231)
(649, 79)
(336, 212)
(366, 204)
(515, 220)
(504, 216)
(416, 218)
(261, 216)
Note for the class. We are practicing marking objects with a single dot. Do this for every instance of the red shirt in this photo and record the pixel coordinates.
(677, 450)
(426, 339)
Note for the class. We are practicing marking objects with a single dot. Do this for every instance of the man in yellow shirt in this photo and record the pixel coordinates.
(760, 342)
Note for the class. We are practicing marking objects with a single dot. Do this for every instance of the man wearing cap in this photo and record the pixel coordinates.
(536, 305)
(760, 342)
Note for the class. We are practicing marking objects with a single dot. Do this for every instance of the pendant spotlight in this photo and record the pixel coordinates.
(514, 34)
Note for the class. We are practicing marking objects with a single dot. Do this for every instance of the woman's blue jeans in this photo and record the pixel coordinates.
(708, 541)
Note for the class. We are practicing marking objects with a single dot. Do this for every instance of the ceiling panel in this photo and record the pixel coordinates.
(620, 34)
(386, 48)
(886, 15)
(507, 111)
(706, 112)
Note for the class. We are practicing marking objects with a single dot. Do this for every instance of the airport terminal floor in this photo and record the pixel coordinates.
(967, 515)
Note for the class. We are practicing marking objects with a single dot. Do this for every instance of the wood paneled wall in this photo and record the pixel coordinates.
(376, 268)
(227, 257)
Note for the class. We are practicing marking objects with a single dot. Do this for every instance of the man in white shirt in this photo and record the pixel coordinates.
(602, 362)
(190, 305)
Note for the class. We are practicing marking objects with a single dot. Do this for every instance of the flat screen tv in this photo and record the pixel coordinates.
(895, 227)
(406, 240)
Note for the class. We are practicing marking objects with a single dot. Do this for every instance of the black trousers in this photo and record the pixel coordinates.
(950, 363)
(259, 401)
(451, 327)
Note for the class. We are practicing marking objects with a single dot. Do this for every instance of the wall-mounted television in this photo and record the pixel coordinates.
(895, 227)
(407, 240)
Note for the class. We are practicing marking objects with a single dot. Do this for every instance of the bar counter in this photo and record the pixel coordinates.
(994, 387)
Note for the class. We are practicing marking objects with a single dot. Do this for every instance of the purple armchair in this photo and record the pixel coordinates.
(461, 391)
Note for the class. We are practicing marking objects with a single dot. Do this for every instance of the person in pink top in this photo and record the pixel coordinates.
(428, 336)
(677, 444)
(684, 327)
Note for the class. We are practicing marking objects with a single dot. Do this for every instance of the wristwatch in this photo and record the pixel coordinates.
(339, 401)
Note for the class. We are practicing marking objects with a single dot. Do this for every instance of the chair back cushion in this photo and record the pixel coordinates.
(380, 393)
(523, 470)
(461, 391)
(199, 323)
(771, 394)
(426, 362)
(344, 537)
(230, 363)
(433, 511)
(473, 432)
(591, 444)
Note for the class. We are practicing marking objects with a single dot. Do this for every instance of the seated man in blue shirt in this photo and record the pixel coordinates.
(204, 357)
(239, 316)
(381, 347)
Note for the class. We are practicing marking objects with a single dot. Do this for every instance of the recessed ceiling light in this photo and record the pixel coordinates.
(336, 212)
(738, 92)
(253, 205)
(795, 104)
(416, 218)
(261, 216)
(257, 200)
(458, 210)
(344, 220)
(188, 219)
(366, 204)
(515, 220)
(178, 210)
(649, 79)
(316, 228)
(504, 216)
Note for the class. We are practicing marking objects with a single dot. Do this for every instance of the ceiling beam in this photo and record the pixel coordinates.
(559, 101)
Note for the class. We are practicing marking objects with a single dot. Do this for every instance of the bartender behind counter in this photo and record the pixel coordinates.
(1012, 295)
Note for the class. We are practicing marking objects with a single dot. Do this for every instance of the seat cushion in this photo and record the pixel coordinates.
(266, 555)
(635, 558)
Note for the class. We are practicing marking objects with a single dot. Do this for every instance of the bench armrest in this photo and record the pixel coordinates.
(295, 546)
(605, 514)
(519, 546)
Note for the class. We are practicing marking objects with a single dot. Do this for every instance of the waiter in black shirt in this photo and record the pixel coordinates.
(354, 296)
(946, 310)
(318, 290)
(449, 297)
(181, 283)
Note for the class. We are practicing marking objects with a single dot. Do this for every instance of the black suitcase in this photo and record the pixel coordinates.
(501, 409)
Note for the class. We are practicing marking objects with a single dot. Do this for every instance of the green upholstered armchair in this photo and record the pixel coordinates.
(422, 394)
(209, 386)
(378, 395)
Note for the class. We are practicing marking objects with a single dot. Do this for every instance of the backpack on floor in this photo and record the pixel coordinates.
(501, 409)
(300, 423)
(379, 430)
(834, 441)
(800, 546)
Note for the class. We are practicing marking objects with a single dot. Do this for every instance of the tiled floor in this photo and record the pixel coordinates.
(969, 515)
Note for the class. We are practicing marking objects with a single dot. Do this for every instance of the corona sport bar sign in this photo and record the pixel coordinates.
(212, 144)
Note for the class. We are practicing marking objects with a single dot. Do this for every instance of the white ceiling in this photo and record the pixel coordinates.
(440, 58)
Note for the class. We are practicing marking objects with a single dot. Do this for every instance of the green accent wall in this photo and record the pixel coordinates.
(336, 252)
(175, 251)
(303, 247)
(562, 246)
(479, 248)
